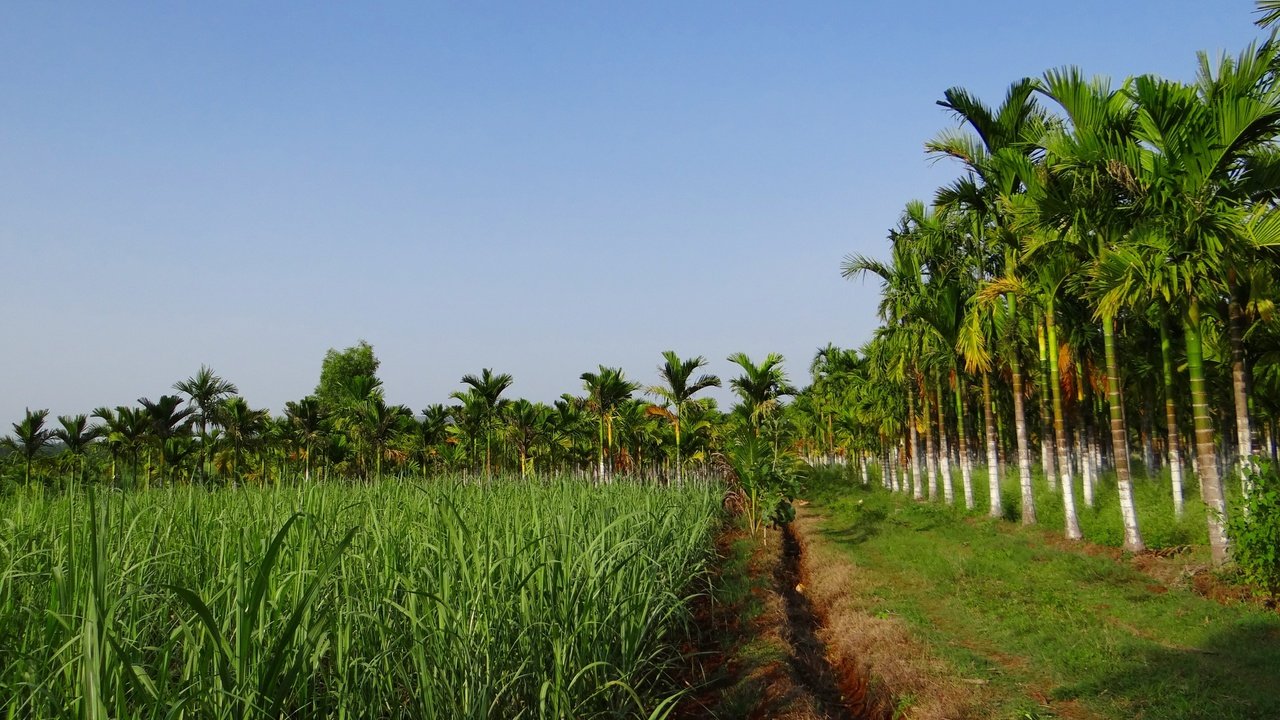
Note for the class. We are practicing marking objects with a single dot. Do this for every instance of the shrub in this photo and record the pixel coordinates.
(1255, 531)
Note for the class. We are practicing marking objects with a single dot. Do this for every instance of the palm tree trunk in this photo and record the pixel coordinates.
(1042, 397)
(993, 455)
(679, 471)
(1120, 440)
(1071, 522)
(1240, 393)
(600, 454)
(488, 453)
(917, 488)
(930, 459)
(1148, 432)
(1211, 492)
(944, 451)
(1084, 445)
(962, 434)
(1171, 418)
(1020, 423)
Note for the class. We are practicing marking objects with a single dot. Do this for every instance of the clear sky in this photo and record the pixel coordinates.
(535, 187)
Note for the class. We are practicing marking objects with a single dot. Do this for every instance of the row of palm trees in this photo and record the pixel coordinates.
(207, 431)
(1107, 255)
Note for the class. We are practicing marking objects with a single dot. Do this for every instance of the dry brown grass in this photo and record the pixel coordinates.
(883, 649)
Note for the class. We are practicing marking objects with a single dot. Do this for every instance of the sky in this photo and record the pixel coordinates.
(539, 188)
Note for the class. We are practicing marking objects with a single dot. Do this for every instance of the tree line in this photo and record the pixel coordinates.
(205, 431)
(1097, 284)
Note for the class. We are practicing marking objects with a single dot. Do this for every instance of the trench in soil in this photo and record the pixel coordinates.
(809, 662)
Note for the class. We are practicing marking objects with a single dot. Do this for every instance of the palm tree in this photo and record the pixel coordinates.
(678, 390)
(242, 429)
(30, 436)
(831, 370)
(433, 431)
(569, 431)
(486, 391)
(307, 419)
(527, 427)
(760, 387)
(76, 434)
(379, 425)
(166, 420)
(606, 390)
(126, 430)
(900, 289)
(1268, 12)
(205, 391)
(638, 432)
(998, 134)
(1044, 289)
(944, 242)
(1194, 143)
(1079, 205)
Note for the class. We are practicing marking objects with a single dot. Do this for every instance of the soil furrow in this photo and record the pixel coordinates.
(809, 661)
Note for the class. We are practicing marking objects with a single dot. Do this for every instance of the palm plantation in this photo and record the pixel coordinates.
(1077, 347)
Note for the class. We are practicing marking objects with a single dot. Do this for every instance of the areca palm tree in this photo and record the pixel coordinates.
(307, 419)
(165, 421)
(126, 430)
(242, 429)
(76, 434)
(1195, 144)
(380, 424)
(486, 394)
(945, 242)
(527, 427)
(1050, 278)
(1077, 211)
(606, 390)
(899, 347)
(30, 436)
(677, 391)
(821, 394)
(433, 431)
(1268, 12)
(760, 387)
(205, 391)
(994, 137)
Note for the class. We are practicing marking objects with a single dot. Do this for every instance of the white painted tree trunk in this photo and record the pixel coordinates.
(993, 452)
(917, 487)
(1085, 453)
(944, 455)
(931, 463)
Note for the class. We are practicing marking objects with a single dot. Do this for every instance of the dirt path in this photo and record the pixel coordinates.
(809, 664)
(762, 650)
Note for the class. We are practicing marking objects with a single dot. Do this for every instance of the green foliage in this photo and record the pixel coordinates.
(507, 600)
(1047, 629)
(767, 479)
(338, 371)
(1255, 531)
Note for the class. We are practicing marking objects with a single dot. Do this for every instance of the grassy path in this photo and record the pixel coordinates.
(1043, 631)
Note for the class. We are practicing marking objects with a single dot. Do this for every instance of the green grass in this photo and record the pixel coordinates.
(1038, 622)
(1101, 524)
(442, 601)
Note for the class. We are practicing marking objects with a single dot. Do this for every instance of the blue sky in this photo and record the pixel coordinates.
(533, 187)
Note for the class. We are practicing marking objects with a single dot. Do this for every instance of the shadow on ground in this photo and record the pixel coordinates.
(1233, 674)
(869, 523)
